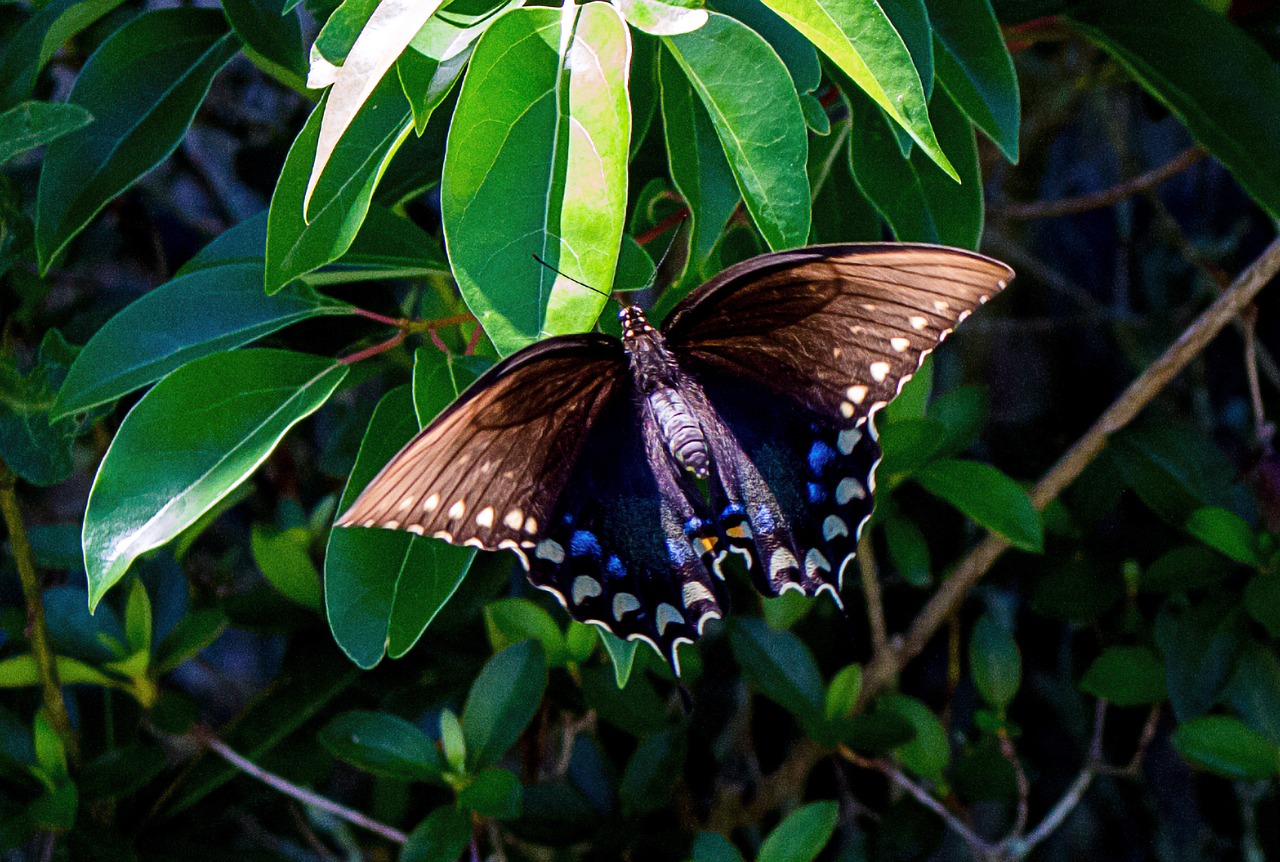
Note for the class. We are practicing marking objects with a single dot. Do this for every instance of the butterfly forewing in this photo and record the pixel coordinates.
(840, 328)
(489, 470)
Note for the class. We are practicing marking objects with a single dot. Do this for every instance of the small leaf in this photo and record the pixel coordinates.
(802, 835)
(383, 744)
(1226, 746)
(503, 699)
(622, 654)
(1200, 646)
(780, 665)
(137, 618)
(272, 38)
(734, 71)
(143, 86)
(1262, 599)
(1226, 532)
(494, 793)
(21, 671)
(995, 662)
(661, 19)
(512, 620)
(842, 693)
(442, 837)
(207, 311)
(909, 551)
(34, 124)
(929, 753)
(215, 420)
(976, 70)
(1186, 568)
(1126, 676)
(284, 557)
(40, 38)
(989, 497)
(714, 847)
(452, 741)
(193, 633)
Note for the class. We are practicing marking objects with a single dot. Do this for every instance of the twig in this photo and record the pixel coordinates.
(884, 667)
(1262, 429)
(1075, 793)
(382, 347)
(1106, 197)
(663, 226)
(871, 590)
(306, 797)
(1020, 777)
(41, 644)
(981, 848)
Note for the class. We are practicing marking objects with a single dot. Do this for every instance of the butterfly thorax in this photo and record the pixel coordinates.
(659, 383)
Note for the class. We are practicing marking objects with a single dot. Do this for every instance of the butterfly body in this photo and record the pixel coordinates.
(625, 473)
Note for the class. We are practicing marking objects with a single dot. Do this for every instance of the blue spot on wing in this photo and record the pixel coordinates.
(614, 567)
(583, 543)
(680, 552)
(816, 493)
(820, 456)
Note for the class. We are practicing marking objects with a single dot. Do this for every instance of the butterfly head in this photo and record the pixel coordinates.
(633, 321)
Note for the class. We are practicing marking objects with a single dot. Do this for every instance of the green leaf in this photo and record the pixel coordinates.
(1173, 468)
(442, 837)
(383, 744)
(580, 641)
(989, 497)
(34, 124)
(439, 378)
(452, 741)
(494, 793)
(841, 212)
(1226, 532)
(658, 18)
(513, 620)
(734, 71)
(1226, 746)
(714, 847)
(622, 654)
(696, 161)
(383, 588)
(21, 671)
(1182, 63)
(975, 69)
(859, 38)
(908, 445)
(919, 202)
(995, 662)
(33, 443)
(647, 781)
(842, 694)
(502, 701)
(1126, 676)
(780, 665)
(909, 550)
(537, 164)
(210, 310)
(1254, 691)
(143, 87)
(193, 633)
(1186, 568)
(795, 51)
(137, 618)
(911, 19)
(802, 835)
(928, 754)
(364, 71)
(192, 439)
(272, 38)
(1262, 599)
(43, 34)
(284, 557)
(340, 200)
(913, 401)
(1200, 647)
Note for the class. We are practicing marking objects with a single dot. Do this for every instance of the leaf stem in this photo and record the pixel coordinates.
(41, 643)
(886, 666)
(288, 788)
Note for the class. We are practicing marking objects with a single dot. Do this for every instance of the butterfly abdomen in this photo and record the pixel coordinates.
(680, 430)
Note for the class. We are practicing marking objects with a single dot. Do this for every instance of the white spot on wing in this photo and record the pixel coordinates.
(782, 560)
(695, 592)
(707, 617)
(849, 489)
(531, 524)
(458, 509)
(834, 526)
(431, 503)
(917, 322)
(815, 562)
(514, 519)
(475, 543)
(666, 615)
(857, 394)
(846, 409)
(623, 604)
(899, 344)
(416, 529)
(879, 371)
(549, 550)
(485, 518)
(584, 588)
(941, 306)
(847, 439)
(391, 525)
(443, 535)
(406, 502)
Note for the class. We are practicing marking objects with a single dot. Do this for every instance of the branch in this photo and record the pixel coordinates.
(871, 591)
(1075, 793)
(288, 788)
(885, 667)
(41, 644)
(1106, 197)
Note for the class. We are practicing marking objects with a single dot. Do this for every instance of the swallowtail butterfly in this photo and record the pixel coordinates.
(623, 474)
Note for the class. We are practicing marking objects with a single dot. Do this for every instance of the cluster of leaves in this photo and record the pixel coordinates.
(453, 140)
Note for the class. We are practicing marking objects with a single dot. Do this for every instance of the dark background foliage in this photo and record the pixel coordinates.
(1111, 687)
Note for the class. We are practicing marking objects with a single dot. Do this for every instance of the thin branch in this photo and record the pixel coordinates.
(41, 644)
(1020, 777)
(663, 226)
(288, 788)
(382, 347)
(981, 848)
(1262, 429)
(1075, 793)
(885, 667)
(1106, 197)
(871, 591)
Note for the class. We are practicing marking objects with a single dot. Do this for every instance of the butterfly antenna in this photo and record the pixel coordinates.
(671, 243)
(571, 278)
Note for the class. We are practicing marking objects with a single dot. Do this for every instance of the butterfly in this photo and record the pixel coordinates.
(623, 474)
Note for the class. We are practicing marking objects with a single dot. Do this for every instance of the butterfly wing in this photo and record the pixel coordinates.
(489, 470)
(795, 352)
